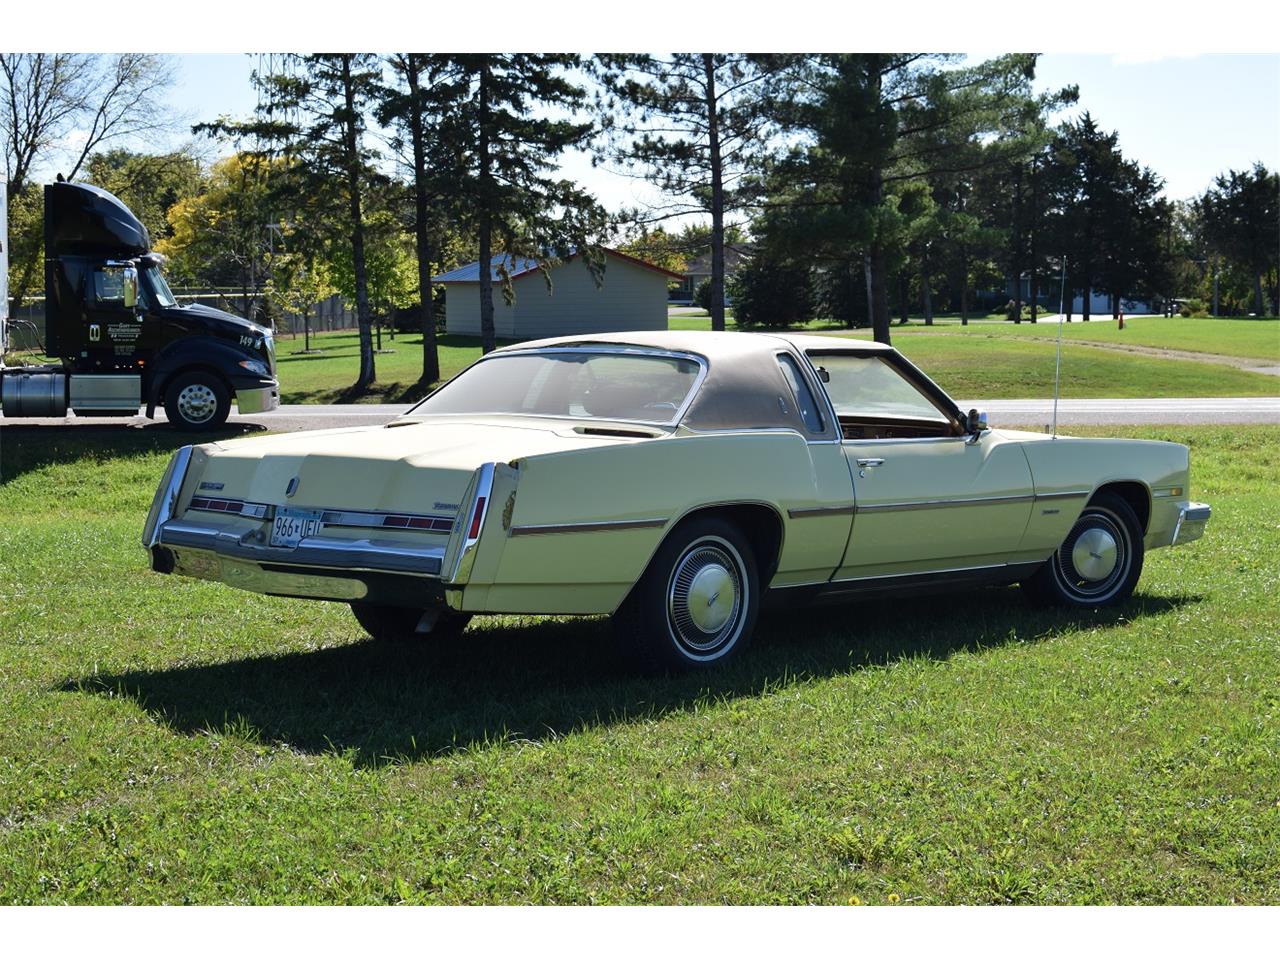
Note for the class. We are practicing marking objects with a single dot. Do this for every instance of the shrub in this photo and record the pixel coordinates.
(772, 291)
(842, 294)
(702, 296)
(1193, 308)
(1010, 313)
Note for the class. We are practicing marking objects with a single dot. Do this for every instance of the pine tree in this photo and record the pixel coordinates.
(501, 143)
(693, 124)
(312, 111)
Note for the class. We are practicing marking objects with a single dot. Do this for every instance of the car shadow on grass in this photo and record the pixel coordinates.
(385, 703)
(28, 447)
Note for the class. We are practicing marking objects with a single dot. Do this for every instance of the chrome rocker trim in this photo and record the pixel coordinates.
(589, 526)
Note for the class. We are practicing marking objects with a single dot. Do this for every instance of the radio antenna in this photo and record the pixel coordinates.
(1057, 365)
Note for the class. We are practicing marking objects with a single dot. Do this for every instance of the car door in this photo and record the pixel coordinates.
(928, 496)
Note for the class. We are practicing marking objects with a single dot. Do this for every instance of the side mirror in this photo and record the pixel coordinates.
(130, 287)
(976, 422)
(824, 374)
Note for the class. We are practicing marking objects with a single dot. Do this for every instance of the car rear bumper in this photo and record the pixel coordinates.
(1192, 518)
(235, 550)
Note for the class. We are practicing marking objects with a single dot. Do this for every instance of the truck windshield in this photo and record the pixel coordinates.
(650, 388)
(154, 287)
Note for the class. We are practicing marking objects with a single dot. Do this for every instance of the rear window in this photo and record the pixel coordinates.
(567, 383)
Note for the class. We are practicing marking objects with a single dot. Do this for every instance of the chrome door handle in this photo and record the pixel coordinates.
(865, 462)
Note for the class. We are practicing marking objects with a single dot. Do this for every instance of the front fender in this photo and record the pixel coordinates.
(202, 352)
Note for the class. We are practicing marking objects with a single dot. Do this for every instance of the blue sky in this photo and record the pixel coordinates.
(1186, 117)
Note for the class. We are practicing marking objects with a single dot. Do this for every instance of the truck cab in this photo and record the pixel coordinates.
(123, 340)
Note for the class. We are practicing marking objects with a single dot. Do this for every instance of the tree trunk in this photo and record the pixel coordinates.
(866, 274)
(879, 295)
(1259, 308)
(717, 195)
(1215, 289)
(964, 286)
(926, 292)
(352, 160)
(488, 340)
(422, 241)
(1033, 286)
(1016, 251)
(1115, 306)
(904, 293)
(1085, 297)
(306, 331)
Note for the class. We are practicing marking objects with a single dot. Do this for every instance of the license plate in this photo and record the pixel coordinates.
(291, 525)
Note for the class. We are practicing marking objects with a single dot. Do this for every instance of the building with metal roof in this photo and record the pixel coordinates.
(563, 301)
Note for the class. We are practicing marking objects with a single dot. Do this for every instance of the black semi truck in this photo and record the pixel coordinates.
(122, 340)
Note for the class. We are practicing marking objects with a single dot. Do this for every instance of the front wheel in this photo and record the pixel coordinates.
(197, 401)
(696, 605)
(1100, 560)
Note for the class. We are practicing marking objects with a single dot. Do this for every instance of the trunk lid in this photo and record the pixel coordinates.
(414, 467)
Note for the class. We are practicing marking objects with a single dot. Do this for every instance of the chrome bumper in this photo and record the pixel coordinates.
(1191, 521)
(319, 566)
(258, 401)
(378, 556)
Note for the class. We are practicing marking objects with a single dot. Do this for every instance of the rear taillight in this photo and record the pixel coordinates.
(477, 516)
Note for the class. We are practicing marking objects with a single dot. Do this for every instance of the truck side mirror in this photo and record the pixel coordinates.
(130, 287)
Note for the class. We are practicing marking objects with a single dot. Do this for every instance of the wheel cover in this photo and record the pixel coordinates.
(707, 599)
(197, 403)
(1094, 555)
(1095, 558)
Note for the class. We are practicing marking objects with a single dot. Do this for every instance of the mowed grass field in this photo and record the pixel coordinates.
(1242, 337)
(326, 376)
(983, 361)
(168, 740)
(1230, 337)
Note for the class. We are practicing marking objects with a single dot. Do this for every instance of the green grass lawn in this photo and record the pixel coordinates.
(989, 368)
(1248, 338)
(326, 377)
(168, 740)
(982, 362)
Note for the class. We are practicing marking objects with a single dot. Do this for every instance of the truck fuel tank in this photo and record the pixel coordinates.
(34, 392)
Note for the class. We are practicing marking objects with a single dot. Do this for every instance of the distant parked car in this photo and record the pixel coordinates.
(674, 481)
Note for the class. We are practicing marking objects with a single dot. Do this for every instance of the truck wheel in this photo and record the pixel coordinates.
(386, 623)
(197, 401)
(696, 605)
(1098, 563)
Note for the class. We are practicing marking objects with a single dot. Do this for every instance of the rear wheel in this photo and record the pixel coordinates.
(197, 401)
(383, 622)
(696, 605)
(1100, 560)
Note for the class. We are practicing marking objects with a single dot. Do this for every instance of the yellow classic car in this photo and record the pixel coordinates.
(674, 481)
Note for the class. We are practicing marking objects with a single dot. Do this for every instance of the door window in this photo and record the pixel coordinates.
(108, 287)
(869, 387)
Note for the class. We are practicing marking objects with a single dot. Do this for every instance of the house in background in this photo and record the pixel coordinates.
(633, 296)
(698, 272)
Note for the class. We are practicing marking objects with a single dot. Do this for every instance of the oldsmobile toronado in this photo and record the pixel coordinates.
(674, 481)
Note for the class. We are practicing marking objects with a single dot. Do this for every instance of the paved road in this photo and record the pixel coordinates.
(1013, 413)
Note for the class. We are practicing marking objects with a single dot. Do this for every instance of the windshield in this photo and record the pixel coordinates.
(570, 383)
(154, 287)
(869, 386)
